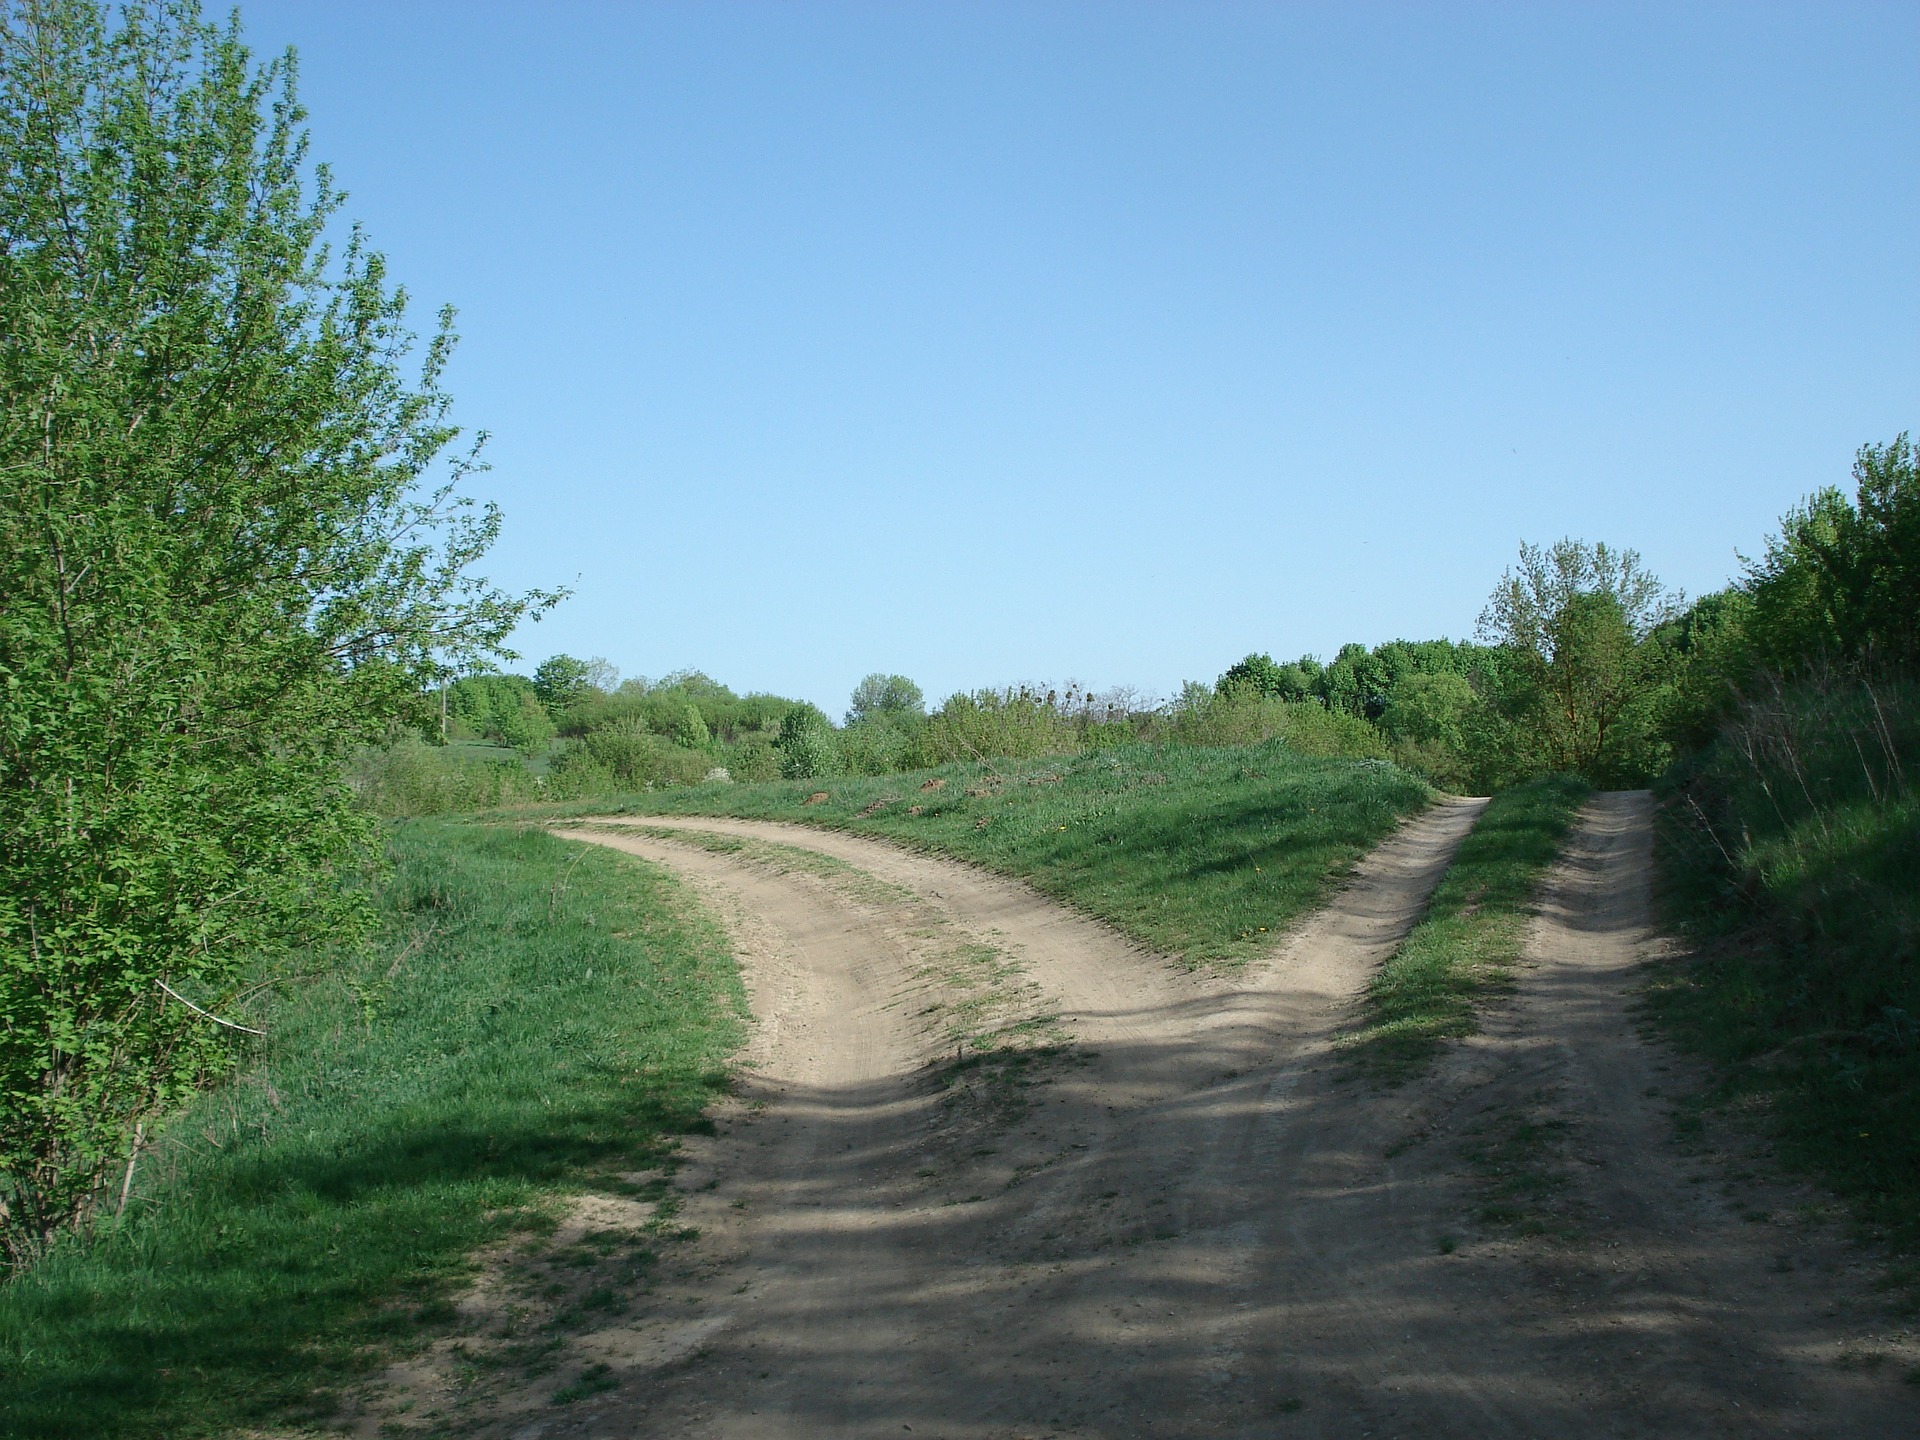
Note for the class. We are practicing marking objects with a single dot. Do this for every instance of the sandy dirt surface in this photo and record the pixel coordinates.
(1176, 1216)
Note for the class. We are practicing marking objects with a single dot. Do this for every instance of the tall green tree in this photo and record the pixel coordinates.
(1840, 583)
(886, 697)
(224, 560)
(1575, 620)
(562, 681)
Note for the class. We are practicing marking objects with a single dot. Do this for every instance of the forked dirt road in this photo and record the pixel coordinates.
(1188, 1223)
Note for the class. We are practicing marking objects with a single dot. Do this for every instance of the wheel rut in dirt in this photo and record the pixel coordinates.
(1160, 1208)
(1632, 1283)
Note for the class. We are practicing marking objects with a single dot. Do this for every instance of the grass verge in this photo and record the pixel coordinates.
(1465, 945)
(540, 1020)
(1203, 853)
(1790, 859)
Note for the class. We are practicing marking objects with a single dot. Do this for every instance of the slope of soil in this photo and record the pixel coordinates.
(1169, 1217)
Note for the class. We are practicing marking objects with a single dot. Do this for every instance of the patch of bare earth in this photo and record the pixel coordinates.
(994, 1172)
(1627, 1278)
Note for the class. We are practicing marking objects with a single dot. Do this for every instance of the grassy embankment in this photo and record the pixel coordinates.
(1464, 947)
(540, 1018)
(1203, 853)
(1791, 856)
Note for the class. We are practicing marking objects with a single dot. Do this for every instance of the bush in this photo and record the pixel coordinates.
(624, 757)
(875, 747)
(576, 775)
(890, 697)
(692, 731)
(1241, 715)
(806, 745)
(410, 778)
(478, 705)
(752, 757)
(524, 727)
(626, 752)
(1014, 723)
(1308, 729)
(662, 707)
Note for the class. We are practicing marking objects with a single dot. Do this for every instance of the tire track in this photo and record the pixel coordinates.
(1193, 1226)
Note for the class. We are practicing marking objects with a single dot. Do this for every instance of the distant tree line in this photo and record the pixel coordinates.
(1584, 663)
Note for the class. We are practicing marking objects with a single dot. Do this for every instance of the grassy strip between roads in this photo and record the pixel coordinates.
(541, 1018)
(1198, 852)
(1466, 944)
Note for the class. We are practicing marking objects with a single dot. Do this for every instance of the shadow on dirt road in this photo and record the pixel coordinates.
(1177, 1219)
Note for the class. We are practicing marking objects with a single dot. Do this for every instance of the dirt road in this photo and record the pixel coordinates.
(1177, 1218)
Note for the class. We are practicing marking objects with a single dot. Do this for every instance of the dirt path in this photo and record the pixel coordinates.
(1180, 1220)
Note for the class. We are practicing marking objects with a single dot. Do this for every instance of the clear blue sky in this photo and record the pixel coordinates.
(1001, 342)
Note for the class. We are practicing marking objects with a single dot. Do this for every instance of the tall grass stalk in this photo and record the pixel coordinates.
(1790, 856)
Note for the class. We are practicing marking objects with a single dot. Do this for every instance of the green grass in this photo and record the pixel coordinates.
(849, 880)
(540, 1016)
(1204, 853)
(1790, 857)
(1465, 945)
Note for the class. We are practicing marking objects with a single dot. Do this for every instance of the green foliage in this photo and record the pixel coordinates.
(1791, 847)
(1802, 811)
(1841, 582)
(561, 681)
(1362, 681)
(1201, 852)
(505, 709)
(1582, 689)
(1441, 726)
(625, 757)
(483, 704)
(1014, 723)
(1708, 663)
(891, 697)
(1476, 923)
(661, 706)
(535, 1019)
(1431, 710)
(219, 566)
(1431, 699)
(1835, 593)
(642, 736)
(806, 744)
(751, 757)
(1242, 715)
(410, 778)
(692, 730)
(1260, 675)
(879, 746)
(525, 727)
